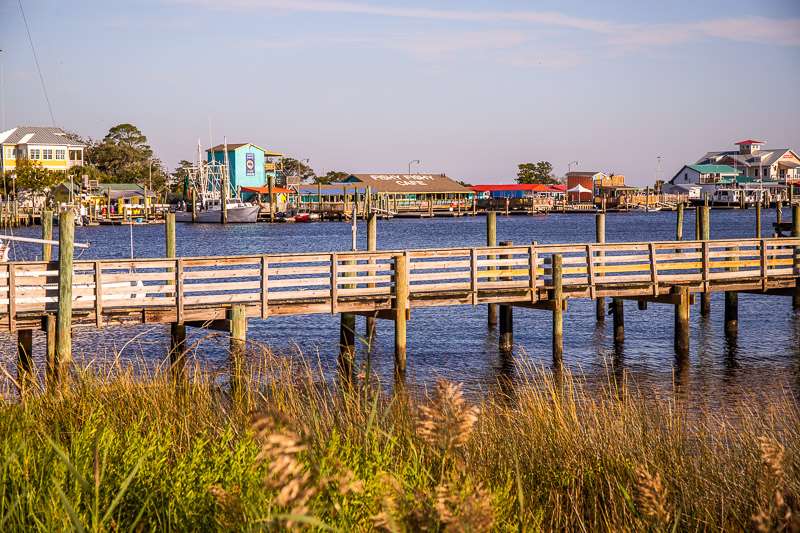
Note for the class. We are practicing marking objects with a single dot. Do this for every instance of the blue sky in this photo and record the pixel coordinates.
(470, 89)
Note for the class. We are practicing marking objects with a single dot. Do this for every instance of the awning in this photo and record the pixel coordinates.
(265, 190)
(578, 188)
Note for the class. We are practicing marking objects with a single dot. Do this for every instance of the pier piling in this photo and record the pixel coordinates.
(705, 297)
(758, 219)
(558, 313)
(401, 310)
(491, 240)
(47, 234)
(238, 319)
(618, 311)
(506, 316)
(681, 339)
(372, 246)
(49, 324)
(679, 229)
(66, 239)
(177, 330)
(796, 254)
(347, 334)
(24, 360)
(600, 231)
(732, 301)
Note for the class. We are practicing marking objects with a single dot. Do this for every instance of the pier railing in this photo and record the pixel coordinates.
(276, 284)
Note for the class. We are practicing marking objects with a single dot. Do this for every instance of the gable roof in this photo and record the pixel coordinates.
(749, 141)
(714, 169)
(410, 183)
(36, 135)
(232, 147)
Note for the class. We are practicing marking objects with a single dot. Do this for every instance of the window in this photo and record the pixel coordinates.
(755, 173)
(61, 155)
(47, 154)
(35, 153)
(75, 155)
(11, 153)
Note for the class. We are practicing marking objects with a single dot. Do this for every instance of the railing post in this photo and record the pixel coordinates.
(50, 352)
(347, 334)
(681, 338)
(732, 300)
(491, 241)
(177, 330)
(558, 317)
(238, 320)
(600, 233)
(705, 297)
(506, 315)
(796, 252)
(372, 246)
(401, 291)
(66, 237)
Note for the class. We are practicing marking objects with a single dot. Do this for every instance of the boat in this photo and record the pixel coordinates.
(211, 185)
(306, 217)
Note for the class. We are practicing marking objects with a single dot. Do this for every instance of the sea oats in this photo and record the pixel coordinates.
(651, 496)
(448, 422)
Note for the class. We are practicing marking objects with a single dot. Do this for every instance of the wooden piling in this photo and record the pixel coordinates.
(177, 330)
(347, 334)
(238, 319)
(491, 240)
(372, 246)
(732, 300)
(618, 311)
(600, 236)
(506, 316)
(758, 220)
(679, 229)
(24, 360)
(47, 234)
(271, 198)
(194, 206)
(705, 297)
(400, 309)
(66, 240)
(796, 254)
(50, 352)
(558, 316)
(681, 339)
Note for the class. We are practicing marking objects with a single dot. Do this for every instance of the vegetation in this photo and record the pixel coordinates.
(541, 172)
(126, 449)
(32, 176)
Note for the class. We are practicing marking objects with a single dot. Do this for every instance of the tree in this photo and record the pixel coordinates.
(332, 176)
(124, 156)
(31, 176)
(464, 184)
(129, 136)
(541, 172)
(658, 185)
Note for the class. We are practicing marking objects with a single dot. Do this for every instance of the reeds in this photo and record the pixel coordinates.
(299, 449)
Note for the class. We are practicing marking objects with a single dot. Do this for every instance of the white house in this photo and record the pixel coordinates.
(696, 180)
(755, 161)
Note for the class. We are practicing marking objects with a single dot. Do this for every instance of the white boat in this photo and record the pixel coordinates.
(211, 185)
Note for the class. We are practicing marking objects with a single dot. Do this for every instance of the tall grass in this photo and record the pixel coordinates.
(124, 448)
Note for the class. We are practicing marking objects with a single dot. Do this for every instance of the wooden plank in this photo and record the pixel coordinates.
(137, 276)
(502, 262)
(98, 294)
(298, 258)
(12, 282)
(764, 266)
(364, 267)
(590, 270)
(654, 268)
(300, 294)
(428, 287)
(264, 287)
(365, 291)
(533, 258)
(216, 274)
(298, 271)
(430, 265)
(360, 280)
(222, 286)
(179, 297)
(299, 282)
(436, 276)
(137, 264)
(222, 298)
(192, 263)
(334, 280)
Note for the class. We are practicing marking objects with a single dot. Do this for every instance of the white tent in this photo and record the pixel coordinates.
(578, 188)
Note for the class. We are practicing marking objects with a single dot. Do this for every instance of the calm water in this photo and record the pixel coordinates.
(454, 341)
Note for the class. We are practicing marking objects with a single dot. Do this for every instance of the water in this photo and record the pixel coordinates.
(454, 342)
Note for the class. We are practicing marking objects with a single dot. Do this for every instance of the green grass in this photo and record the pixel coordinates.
(124, 449)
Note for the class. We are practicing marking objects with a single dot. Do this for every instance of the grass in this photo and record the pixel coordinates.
(126, 449)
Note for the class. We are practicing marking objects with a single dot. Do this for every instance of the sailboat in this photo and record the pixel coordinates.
(210, 182)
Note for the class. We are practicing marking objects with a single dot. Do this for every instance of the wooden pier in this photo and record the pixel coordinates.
(223, 292)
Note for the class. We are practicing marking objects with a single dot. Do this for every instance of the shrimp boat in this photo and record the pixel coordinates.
(210, 182)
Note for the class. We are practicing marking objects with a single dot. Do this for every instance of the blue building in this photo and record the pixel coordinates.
(251, 166)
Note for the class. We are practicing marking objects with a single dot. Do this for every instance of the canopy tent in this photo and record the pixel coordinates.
(265, 190)
(579, 189)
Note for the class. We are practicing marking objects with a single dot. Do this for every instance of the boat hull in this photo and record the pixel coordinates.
(236, 215)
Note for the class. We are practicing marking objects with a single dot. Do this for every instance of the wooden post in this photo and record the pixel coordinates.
(400, 308)
(238, 319)
(347, 334)
(474, 208)
(491, 240)
(681, 339)
(271, 199)
(705, 297)
(319, 198)
(732, 301)
(177, 330)
(47, 234)
(796, 253)
(558, 316)
(50, 351)
(223, 194)
(679, 231)
(618, 311)
(647, 199)
(24, 359)
(194, 206)
(600, 234)
(66, 239)
(506, 315)
(758, 219)
(372, 245)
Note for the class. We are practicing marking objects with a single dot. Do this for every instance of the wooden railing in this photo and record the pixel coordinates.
(302, 283)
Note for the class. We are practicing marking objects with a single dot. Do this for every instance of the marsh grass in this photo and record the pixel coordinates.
(125, 448)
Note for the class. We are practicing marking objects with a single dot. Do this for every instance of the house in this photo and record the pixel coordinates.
(696, 180)
(250, 165)
(411, 188)
(45, 145)
(755, 161)
(122, 198)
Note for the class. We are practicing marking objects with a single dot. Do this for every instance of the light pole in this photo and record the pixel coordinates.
(409, 164)
(569, 165)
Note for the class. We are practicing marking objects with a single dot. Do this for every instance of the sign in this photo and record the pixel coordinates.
(250, 164)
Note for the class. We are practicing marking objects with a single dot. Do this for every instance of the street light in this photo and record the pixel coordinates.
(569, 165)
(409, 164)
(300, 167)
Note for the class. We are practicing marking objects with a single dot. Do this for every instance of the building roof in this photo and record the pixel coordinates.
(410, 183)
(265, 190)
(764, 157)
(577, 173)
(714, 169)
(36, 135)
(749, 141)
(232, 147)
(534, 187)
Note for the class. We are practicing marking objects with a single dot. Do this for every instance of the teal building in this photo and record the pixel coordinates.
(251, 166)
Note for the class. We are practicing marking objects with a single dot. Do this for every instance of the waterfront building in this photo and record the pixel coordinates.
(121, 198)
(250, 165)
(516, 191)
(410, 189)
(696, 180)
(583, 180)
(755, 161)
(44, 145)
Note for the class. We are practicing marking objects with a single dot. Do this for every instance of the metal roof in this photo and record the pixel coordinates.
(410, 183)
(232, 147)
(36, 135)
(714, 169)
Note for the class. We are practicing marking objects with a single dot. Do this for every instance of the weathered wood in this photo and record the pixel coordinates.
(264, 287)
(12, 297)
(372, 245)
(347, 335)
(400, 305)
(796, 250)
(238, 320)
(66, 237)
(177, 351)
(681, 335)
(506, 320)
(617, 311)
(51, 363)
(679, 229)
(47, 234)
(98, 293)
(24, 360)
(558, 317)
(491, 240)
(600, 237)
(334, 262)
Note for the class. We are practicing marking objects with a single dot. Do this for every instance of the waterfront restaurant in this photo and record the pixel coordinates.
(413, 190)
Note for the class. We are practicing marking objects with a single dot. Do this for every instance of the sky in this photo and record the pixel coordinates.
(471, 89)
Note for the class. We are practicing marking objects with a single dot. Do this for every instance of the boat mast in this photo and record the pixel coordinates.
(224, 190)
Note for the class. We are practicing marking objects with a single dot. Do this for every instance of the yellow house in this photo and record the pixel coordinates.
(46, 145)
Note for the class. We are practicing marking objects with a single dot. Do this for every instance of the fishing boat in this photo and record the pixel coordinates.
(210, 182)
